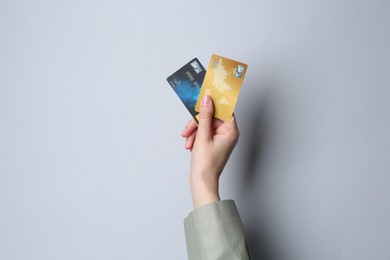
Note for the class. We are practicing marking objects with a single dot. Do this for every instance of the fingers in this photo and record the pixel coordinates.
(229, 129)
(235, 130)
(208, 126)
(205, 118)
(190, 141)
(190, 132)
(217, 123)
(234, 122)
(190, 127)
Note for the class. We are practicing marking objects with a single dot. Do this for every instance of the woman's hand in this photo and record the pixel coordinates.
(211, 144)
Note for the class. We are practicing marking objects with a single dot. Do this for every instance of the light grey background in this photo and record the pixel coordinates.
(92, 164)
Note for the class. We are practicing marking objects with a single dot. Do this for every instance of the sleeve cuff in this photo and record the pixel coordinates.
(215, 231)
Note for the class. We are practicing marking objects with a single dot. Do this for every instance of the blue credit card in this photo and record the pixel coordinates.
(187, 82)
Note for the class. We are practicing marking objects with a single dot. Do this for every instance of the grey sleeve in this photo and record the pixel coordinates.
(215, 232)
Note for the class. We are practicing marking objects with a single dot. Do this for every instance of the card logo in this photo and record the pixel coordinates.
(238, 72)
(196, 67)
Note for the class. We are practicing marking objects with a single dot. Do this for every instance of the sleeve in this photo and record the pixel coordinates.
(215, 232)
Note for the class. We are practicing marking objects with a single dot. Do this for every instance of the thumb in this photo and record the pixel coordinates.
(206, 114)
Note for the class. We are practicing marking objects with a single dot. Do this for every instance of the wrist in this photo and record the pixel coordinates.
(203, 191)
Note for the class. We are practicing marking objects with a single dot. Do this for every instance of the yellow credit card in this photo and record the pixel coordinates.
(222, 83)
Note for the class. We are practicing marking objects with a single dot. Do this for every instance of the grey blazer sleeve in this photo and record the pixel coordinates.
(215, 232)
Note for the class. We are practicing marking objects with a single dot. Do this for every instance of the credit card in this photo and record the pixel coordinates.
(187, 82)
(223, 83)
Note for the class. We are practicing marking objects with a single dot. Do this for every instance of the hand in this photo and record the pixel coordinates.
(211, 144)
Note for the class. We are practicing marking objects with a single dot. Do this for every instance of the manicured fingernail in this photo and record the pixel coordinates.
(206, 100)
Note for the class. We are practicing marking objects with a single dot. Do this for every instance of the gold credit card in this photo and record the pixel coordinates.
(222, 83)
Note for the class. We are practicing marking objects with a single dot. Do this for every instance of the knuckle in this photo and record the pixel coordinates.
(205, 114)
(235, 134)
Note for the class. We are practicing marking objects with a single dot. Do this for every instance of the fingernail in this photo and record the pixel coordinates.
(206, 100)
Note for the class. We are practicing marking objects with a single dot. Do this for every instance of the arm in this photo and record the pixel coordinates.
(213, 229)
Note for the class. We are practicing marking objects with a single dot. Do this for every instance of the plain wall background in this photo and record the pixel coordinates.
(92, 164)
